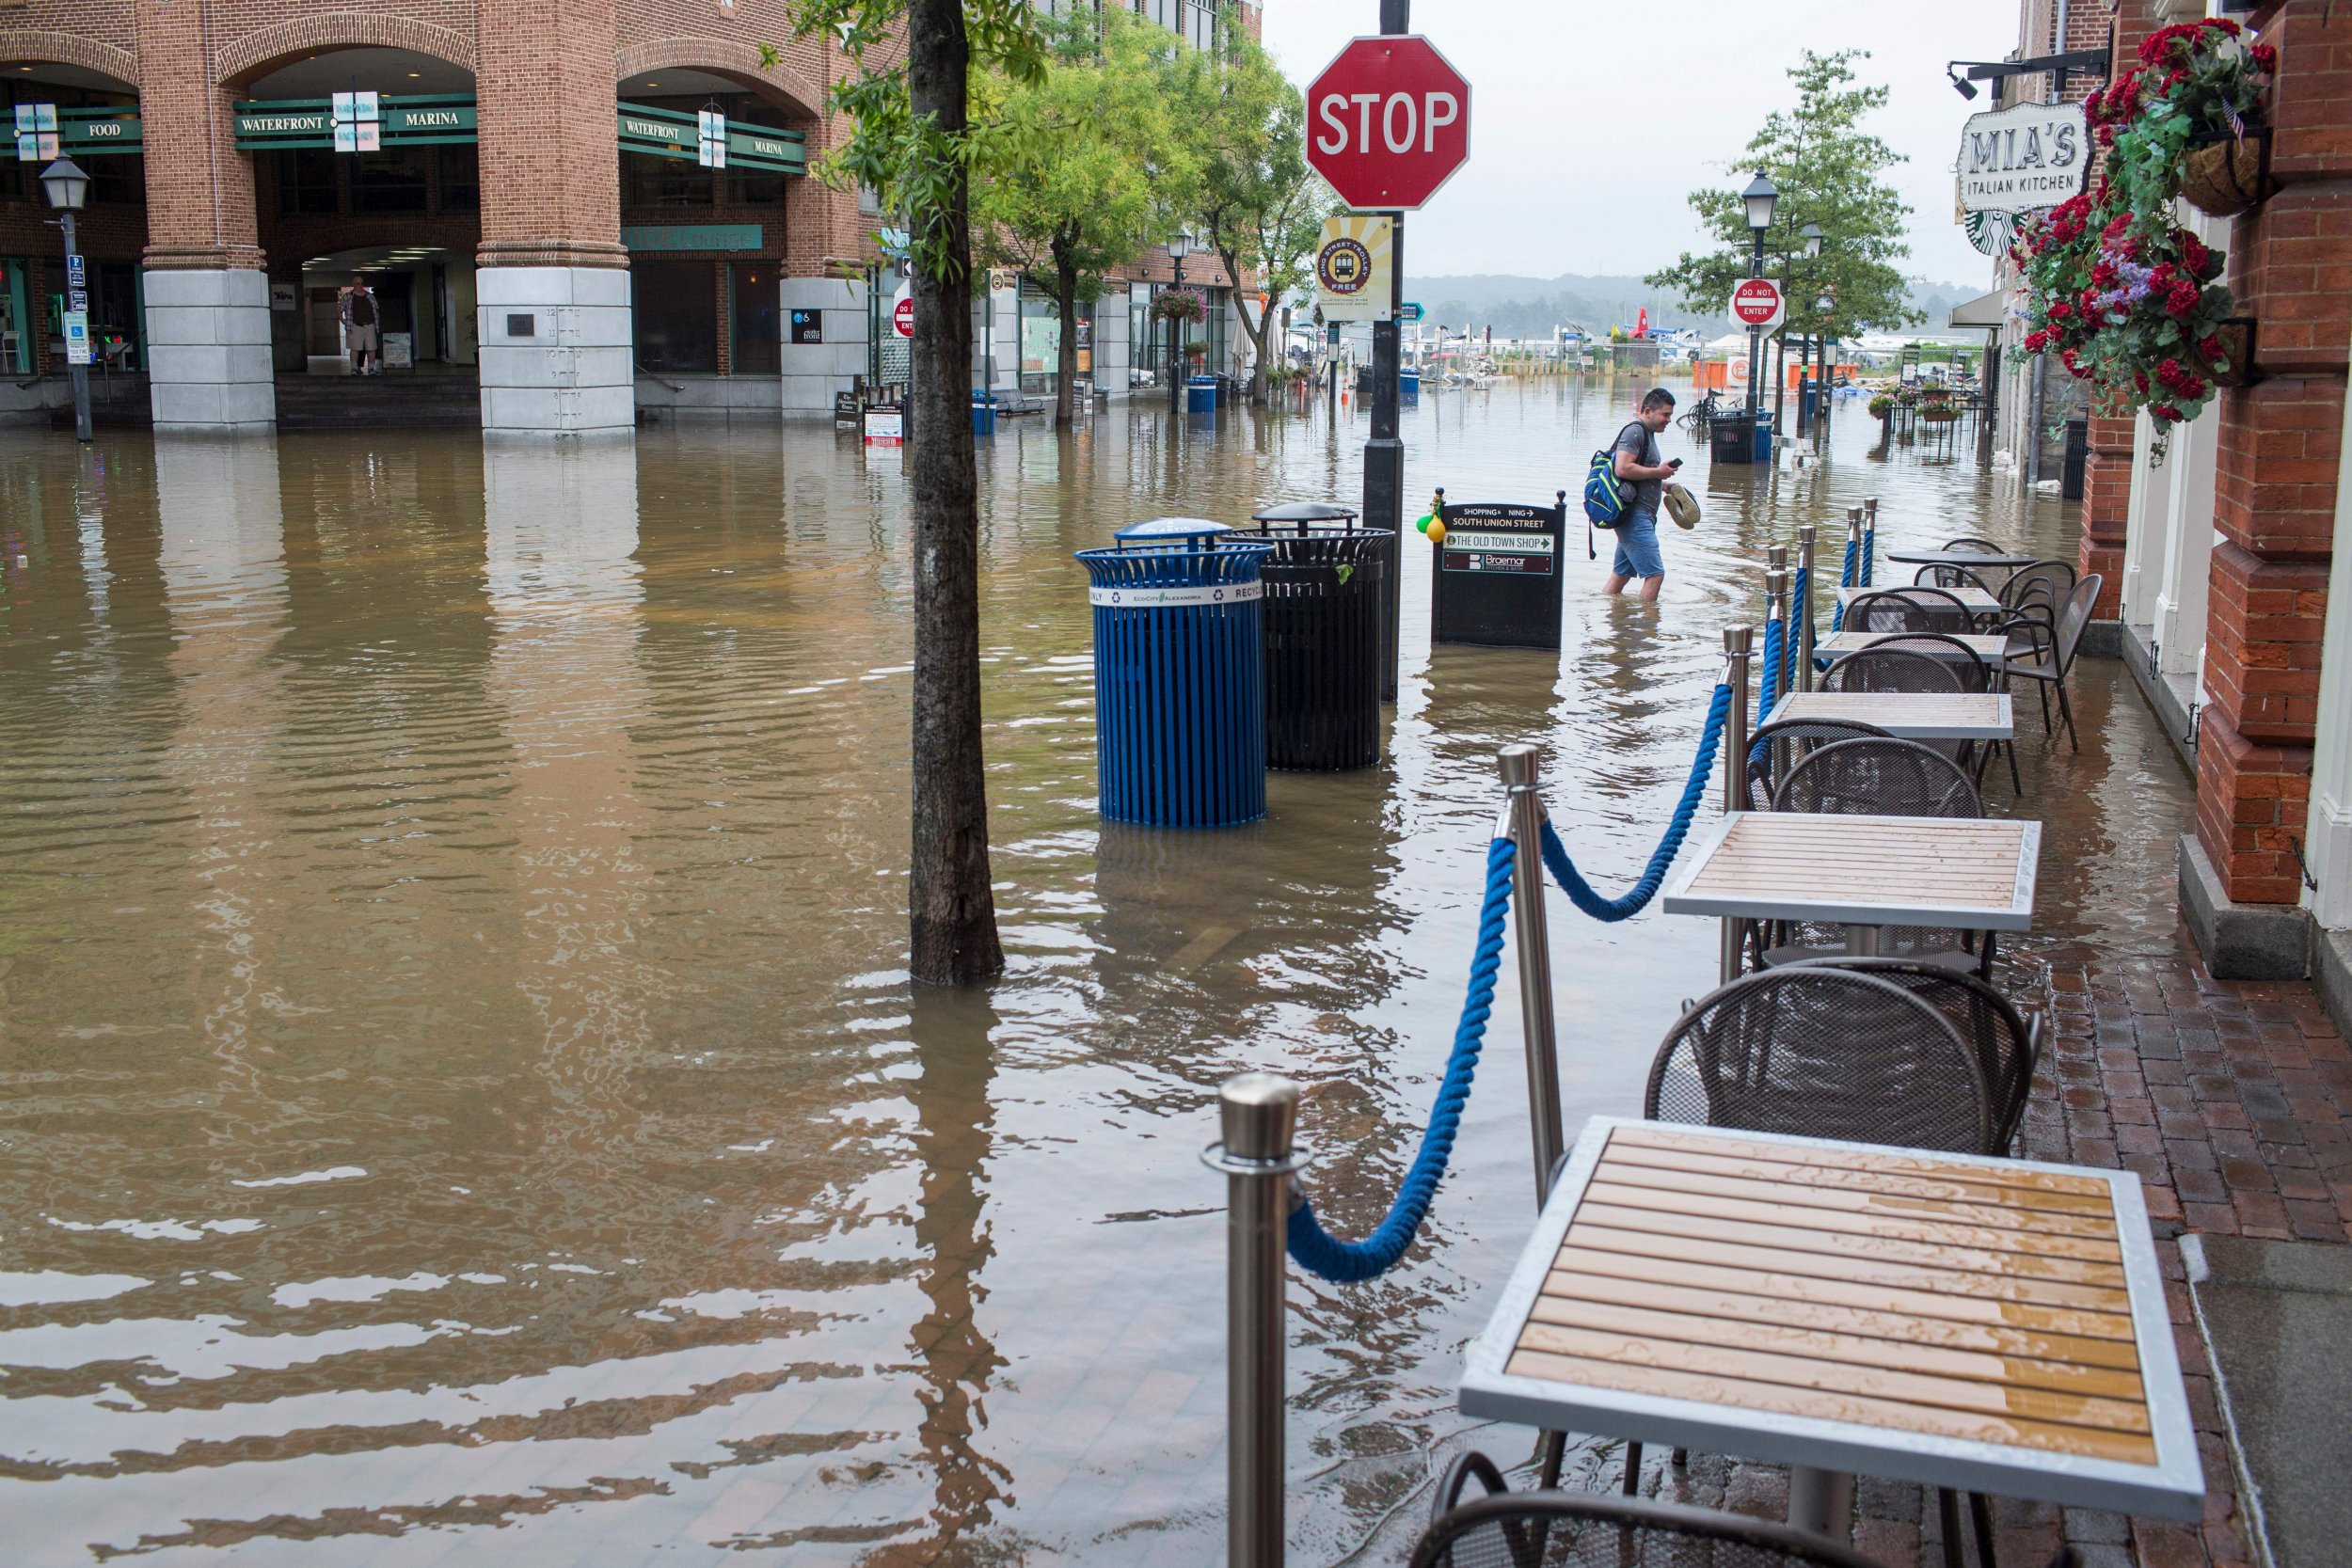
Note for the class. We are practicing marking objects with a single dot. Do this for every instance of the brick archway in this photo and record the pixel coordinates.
(35, 43)
(791, 91)
(256, 52)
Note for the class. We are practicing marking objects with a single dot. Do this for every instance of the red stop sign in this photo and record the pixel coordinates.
(902, 317)
(1387, 122)
(1757, 303)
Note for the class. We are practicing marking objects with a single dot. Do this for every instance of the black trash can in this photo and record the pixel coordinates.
(1731, 437)
(1325, 587)
(2077, 460)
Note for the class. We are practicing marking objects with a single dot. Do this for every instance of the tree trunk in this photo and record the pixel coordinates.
(1257, 333)
(1066, 360)
(951, 909)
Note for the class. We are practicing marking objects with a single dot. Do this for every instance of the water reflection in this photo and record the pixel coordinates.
(465, 1100)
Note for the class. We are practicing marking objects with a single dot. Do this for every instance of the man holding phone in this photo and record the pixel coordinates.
(1637, 462)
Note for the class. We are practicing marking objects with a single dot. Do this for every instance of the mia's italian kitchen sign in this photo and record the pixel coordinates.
(2024, 158)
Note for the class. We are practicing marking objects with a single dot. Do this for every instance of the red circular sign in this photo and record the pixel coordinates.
(1757, 302)
(1387, 122)
(902, 317)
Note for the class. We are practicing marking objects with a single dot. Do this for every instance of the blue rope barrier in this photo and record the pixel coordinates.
(1767, 689)
(1869, 554)
(1800, 616)
(1846, 580)
(1630, 902)
(1318, 1251)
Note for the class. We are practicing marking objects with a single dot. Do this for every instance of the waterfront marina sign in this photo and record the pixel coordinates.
(351, 122)
(2023, 159)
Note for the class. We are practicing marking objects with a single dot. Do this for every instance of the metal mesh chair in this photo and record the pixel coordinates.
(1826, 1053)
(2052, 655)
(1893, 670)
(1969, 542)
(2007, 1044)
(1974, 675)
(1951, 577)
(1584, 1529)
(1908, 609)
(1785, 741)
(1878, 777)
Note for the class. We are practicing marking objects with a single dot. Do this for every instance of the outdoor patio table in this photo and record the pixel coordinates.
(1910, 715)
(1838, 644)
(1975, 874)
(1962, 558)
(1978, 601)
(1989, 1326)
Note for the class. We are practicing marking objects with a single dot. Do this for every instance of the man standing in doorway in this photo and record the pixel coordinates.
(1637, 464)
(362, 326)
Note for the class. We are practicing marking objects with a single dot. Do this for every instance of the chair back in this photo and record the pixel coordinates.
(1969, 542)
(1825, 1052)
(2074, 618)
(1949, 577)
(1878, 777)
(2007, 1044)
(1796, 734)
(1906, 609)
(1873, 669)
(1957, 657)
(2047, 582)
(1596, 1529)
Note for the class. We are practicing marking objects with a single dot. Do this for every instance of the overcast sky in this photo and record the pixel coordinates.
(1592, 122)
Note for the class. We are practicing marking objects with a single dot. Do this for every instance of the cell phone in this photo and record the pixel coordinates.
(1674, 462)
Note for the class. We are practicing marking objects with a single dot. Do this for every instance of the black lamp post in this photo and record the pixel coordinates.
(1812, 236)
(1759, 198)
(1179, 246)
(68, 188)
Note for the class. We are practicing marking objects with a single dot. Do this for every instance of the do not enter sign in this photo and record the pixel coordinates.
(1388, 122)
(902, 317)
(1757, 302)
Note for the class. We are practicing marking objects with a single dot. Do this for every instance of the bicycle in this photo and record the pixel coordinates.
(1700, 413)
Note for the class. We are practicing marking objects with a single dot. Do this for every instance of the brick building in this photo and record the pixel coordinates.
(2227, 562)
(533, 190)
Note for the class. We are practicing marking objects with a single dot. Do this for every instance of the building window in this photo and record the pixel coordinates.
(306, 181)
(753, 302)
(16, 326)
(392, 180)
(458, 171)
(650, 182)
(677, 310)
(118, 179)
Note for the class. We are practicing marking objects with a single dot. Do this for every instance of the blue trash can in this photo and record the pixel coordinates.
(1763, 435)
(984, 412)
(1408, 388)
(1201, 395)
(1179, 682)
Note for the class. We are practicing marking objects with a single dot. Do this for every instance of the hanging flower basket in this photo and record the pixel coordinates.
(1882, 405)
(2235, 365)
(1182, 304)
(2227, 174)
(1938, 412)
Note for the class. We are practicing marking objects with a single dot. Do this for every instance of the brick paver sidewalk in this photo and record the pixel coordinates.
(2230, 1100)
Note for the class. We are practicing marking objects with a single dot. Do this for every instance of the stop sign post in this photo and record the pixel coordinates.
(1388, 122)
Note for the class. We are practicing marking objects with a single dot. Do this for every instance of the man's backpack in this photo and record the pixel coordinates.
(1604, 495)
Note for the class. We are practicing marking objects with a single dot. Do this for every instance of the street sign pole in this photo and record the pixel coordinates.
(1384, 454)
(79, 371)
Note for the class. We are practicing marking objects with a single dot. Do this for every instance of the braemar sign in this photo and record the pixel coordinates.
(2021, 159)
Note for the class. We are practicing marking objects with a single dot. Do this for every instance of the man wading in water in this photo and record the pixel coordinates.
(1637, 464)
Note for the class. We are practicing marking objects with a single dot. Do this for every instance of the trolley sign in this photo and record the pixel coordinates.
(1498, 577)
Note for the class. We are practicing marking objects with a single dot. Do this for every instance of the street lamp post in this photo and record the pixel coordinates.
(1759, 198)
(1179, 246)
(1811, 235)
(66, 188)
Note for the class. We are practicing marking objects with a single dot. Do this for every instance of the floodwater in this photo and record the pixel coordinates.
(460, 1097)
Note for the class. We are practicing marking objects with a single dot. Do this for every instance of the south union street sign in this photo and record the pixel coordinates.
(1388, 122)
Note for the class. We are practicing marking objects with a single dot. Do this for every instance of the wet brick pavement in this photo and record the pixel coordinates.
(2230, 1100)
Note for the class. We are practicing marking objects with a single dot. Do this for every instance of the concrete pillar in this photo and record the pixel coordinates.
(207, 329)
(2188, 562)
(552, 289)
(2330, 850)
(1113, 349)
(2147, 528)
(2276, 495)
(813, 372)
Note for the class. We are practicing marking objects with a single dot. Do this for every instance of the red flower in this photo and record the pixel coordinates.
(2210, 346)
(2037, 340)
(2116, 226)
(2191, 389)
(2059, 310)
(2264, 56)
(2193, 252)
(2183, 299)
(2174, 77)
(2166, 412)
(2139, 381)
(2222, 25)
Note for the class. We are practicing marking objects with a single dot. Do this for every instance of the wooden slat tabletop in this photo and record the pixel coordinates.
(1912, 715)
(1975, 598)
(1837, 643)
(1975, 873)
(1944, 1319)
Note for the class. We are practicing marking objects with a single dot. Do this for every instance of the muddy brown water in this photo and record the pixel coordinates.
(460, 1098)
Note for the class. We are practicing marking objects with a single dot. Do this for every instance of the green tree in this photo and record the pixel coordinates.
(1828, 170)
(1080, 161)
(1254, 201)
(913, 140)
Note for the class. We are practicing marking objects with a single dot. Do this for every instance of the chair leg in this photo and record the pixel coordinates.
(2042, 695)
(1633, 1469)
(1947, 1517)
(2066, 710)
(1981, 1515)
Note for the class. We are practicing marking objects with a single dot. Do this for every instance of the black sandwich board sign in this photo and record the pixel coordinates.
(1498, 577)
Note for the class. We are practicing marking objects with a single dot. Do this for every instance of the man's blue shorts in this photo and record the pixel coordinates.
(1637, 547)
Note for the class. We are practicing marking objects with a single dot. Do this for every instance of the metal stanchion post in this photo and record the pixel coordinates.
(1805, 535)
(1524, 816)
(1258, 1118)
(1738, 647)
